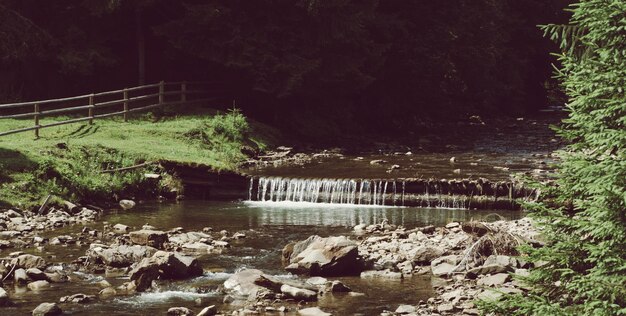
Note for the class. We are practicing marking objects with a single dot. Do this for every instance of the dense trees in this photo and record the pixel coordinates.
(584, 263)
(341, 62)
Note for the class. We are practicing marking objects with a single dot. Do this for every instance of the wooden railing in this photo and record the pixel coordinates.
(128, 100)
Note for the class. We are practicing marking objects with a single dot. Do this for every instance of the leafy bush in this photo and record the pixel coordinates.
(584, 262)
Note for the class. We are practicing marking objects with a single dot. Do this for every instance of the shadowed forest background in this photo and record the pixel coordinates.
(318, 67)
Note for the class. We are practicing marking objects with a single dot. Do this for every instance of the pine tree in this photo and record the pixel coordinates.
(583, 265)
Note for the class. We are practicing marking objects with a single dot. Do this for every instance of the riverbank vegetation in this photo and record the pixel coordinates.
(69, 161)
(583, 270)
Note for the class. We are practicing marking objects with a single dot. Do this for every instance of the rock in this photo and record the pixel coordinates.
(4, 298)
(106, 292)
(242, 283)
(152, 238)
(383, 274)
(56, 277)
(377, 162)
(489, 295)
(475, 228)
(312, 311)
(179, 311)
(20, 276)
(121, 228)
(38, 285)
(445, 308)
(452, 225)
(496, 279)
(27, 261)
(453, 160)
(119, 256)
(164, 265)
(77, 298)
(47, 309)
(197, 247)
(298, 293)
(338, 287)
(485, 269)
(317, 281)
(325, 257)
(425, 255)
(127, 204)
(509, 262)
(36, 274)
(443, 266)
(208, 311)
(405, 309)
(239, 236)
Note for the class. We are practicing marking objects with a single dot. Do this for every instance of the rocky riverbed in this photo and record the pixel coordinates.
(99, 262)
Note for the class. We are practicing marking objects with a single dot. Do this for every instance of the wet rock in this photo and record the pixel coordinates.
(197, 247)
(152, 238)
(338, 287)
(164, 265)
(121, 228)
(20, 277)
(377, 162)
(476, 228)
(317, 281)
(443, 266)
(56, 277)
(384, 274)
(425, 255)
(36, 274)
(405, 309)
(208, 311)
(119, 255)
(106, 292)
(445, 308)
(47, 309)
(179, 311)
(312, 311)
(298, 293)
(38, 285)
(127, 204)
(243, 283)
(496, 279)
(4, 298)
(77, 298)
(325, 256)
(27, 261)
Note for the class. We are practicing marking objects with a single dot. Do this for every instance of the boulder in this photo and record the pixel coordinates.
(381, 274)
(20, 277)
(127, 204)
(47, 309)
(38, 285)
(243, 283)
(298, 293)
(312, 311)
(444, 266)
(164, 265)
(28, 261)
(325, 256)
(493, 280)
(486, 269)
(509, 262)
(337, 286)
(121, 228)
(179, 311)
(119, 256)
(425, 255)
(146, 237)
(476, 228)
(36, 274)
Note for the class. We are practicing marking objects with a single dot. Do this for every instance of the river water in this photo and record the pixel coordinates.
(269, 227)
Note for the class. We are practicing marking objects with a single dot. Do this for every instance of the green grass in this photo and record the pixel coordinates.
(66, 160)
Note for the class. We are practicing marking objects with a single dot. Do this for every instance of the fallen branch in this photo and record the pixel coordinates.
(44, 205)
(141, 165)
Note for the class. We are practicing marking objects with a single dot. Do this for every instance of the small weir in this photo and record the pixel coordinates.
(462, 194)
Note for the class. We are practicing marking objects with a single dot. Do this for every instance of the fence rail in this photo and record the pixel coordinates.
(143, 98)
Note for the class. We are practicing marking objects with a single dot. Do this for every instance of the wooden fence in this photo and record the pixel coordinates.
(127, 101)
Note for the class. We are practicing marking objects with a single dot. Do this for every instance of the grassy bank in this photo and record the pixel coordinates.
(68, 160)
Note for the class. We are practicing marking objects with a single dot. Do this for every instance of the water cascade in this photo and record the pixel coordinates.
(463, 194)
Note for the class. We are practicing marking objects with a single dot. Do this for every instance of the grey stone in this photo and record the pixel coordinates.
(127, 204)
(38, 285)
(325, 256)
(383, 274)
(312, 311)
(164, 265)
(20, 277)
(208, 311)
(36, 274)
(242, 283)
(28, 261)
(4, 298)
(179, 311)
(443, 266)
(47, 309)
(425, 255)
(405, 309)
(486, 269)
(298, 293)
(152, 238)
(496, 279)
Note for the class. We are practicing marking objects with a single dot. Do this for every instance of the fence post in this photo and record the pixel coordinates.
(183, 91)
(125, 105)
(91, 106)
(161, 92)
(36, 120)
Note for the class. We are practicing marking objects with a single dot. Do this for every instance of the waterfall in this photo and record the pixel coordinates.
(337, 191)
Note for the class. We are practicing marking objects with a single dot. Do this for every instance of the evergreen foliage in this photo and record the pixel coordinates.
(583, 270)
